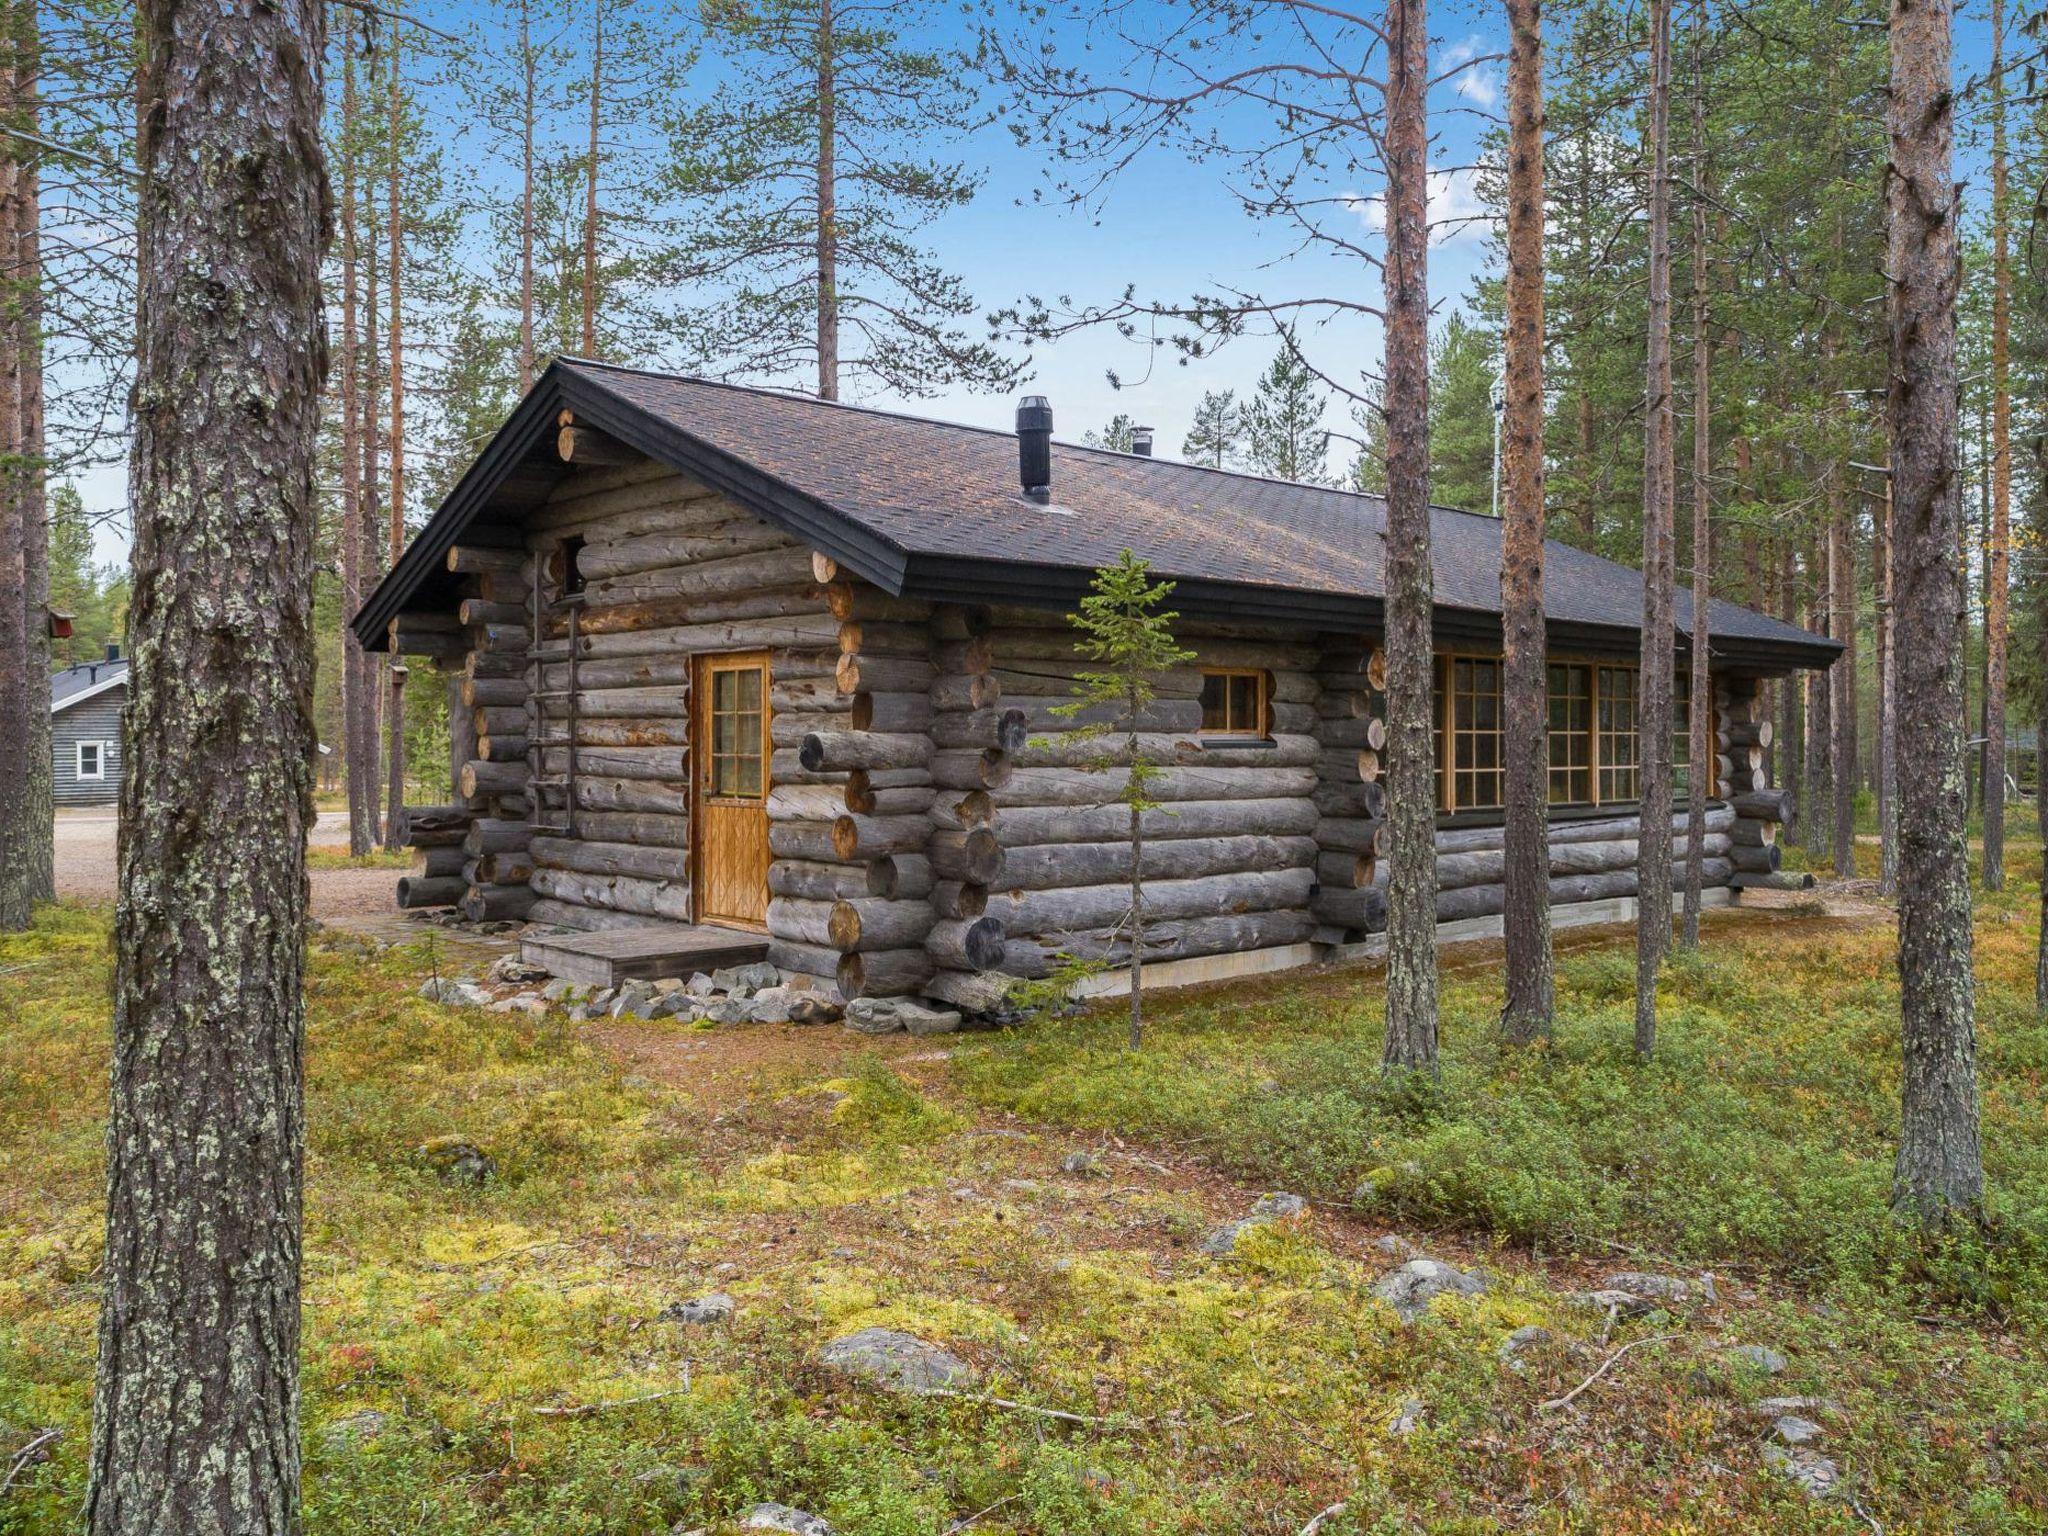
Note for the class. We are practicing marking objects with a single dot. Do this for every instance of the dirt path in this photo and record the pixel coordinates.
(86, 869)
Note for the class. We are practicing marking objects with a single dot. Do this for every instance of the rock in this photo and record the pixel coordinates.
(1620, 1303)
(771, 1005)
(1410, 1289)
(699, 1311)
(1515, 1344)
(700, 985)
(667, 984)
(1081, 1164)
(344, 1434)
(1267, 1209)
(1409, 1419)
(725, 1011)
(562, 990)
(780, 1517)
(1393, 1247)
(457, 1161)
(1758, 1357)
(455, 993)
(1793, 1430)
(521, 1002)
(814, 1009)
(635, 1000)
(886, 1015)
(1817, 1477)
(1664, 1290)
(744, 981)
(512, 969)
(1774, 1407)
(900, 1362)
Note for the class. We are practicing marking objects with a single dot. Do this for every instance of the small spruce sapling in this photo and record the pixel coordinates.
(1130, 638)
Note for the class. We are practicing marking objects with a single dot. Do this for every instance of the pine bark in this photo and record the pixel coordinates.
(1842, 687)
(28, 267)
(1653, 899)
(195, 1412)
(359, 743)
(1887, 702)
(1940, 1173)
(1698, 647)
(20, 684)
(590, 183)
(394, 723)
(1411, 1038)
(828, 207)
(1998, 537)
(529, 72)
(1531, 986)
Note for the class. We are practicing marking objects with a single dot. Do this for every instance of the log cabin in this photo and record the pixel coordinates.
(732, 662)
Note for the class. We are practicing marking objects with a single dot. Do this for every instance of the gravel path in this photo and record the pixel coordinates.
(86, 869)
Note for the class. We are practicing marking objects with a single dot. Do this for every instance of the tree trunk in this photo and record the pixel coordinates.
(394, 807)
(1887, 699)
(359, 744)
(1700, 696)
(1940, 1171)
(1653, 902)
(22, 690)
(828, 206)
(1997, 622)
(1530, 985)
(529, 67)
(370, 404)
(590, 183)
(1842, 689)
(35, 510)
(195, 1412)
(1411, 1038)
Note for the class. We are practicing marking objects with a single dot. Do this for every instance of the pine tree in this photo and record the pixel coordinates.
(1461, 415)
(1283, 424)
(1217, 431)
(1130, 639)
(828, 148)
(1116, 435)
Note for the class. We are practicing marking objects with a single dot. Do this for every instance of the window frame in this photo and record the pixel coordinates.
(99, 772)
(1444, 733)
(1262, 684)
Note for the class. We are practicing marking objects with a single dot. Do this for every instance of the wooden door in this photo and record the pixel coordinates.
(729, 771)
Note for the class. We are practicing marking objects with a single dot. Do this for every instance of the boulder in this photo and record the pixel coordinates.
(1791, 1429)
(562, 990)
(899, 1362)
(699, 1311)
(454, 992)
(814, 1008)
(886, 1015)
(1663, 1290)
(344, 1434)
(700, 985)
(745, 980)
(1267, 1209)
(1758, 1357)
(515, 971)
(780, 1517)
(1816, 1475)
(1410, 1289)
(457, 1161)
(521, 1002)
(770, 1005)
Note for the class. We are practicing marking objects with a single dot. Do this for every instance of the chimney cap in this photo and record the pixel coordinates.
(1141, 441)
(1034, 447)
(113, 650)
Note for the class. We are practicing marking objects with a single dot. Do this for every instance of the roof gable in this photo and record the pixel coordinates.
(74, 685)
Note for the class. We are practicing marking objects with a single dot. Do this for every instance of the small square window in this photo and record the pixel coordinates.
(1233, 703)
(92, 760)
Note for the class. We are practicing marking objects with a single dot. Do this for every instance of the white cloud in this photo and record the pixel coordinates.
(1456, 211)
(1476, 82)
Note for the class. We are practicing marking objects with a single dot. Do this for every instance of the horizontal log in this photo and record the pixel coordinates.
(1211, 651)
(863, 923)
(706, 540)
(892, 973)
(1368, 732)
(798, 631)
(807, 840)
(671, 764)
(860, 672)
(1455, 870)
(647, 829)
(477, 610)
(954, 694)
(1002, 730)
(804, 959)
(1353, 834)
(1081, 908)
(436, 863)
(958, 901)
(1089, 787)
(911, 800)
(862, 637)
(1346, 871)
(1761, 860)
(872, 837)
(1174, 940)
(987, 768)
(416, 891)
(1160, 748)
(626, 703)
(810, 880)
(801, 921)
(966, 945)
(900, 876)
(807, 696)
(588, 447)
(787, 565)
(512, 867)
(1048, 716)
(497, 903)
(494, 778)
(1720, 818)
(1747, 733)
(408, 637)
(806, 802)
(1490, 900)
(494, 692)
(562, 914)
(836, 751)
(957, 658)
(601, 792)
(1050, 866)
(481, 663)
(428, 826)
(891, 712)
(1753, 834)
(859, 600)
(593, 858)
(501, 639)
(1743, 880)
(614, 733)
(790, 730)
(1020, 827)
(1359, 908)
(597, 493)
(1764, 805)
(616, 893)
(960, 621)
(621, 617)
(973, 856)
(484, 560)
(502, 749)
(1060, 681)
(618, 672)
(972, 991)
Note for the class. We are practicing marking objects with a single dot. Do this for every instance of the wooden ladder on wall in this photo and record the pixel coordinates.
(539, 653)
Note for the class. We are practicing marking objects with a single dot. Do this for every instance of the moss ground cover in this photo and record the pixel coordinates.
(495, 1358)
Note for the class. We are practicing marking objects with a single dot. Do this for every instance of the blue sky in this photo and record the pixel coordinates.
(1168, 224)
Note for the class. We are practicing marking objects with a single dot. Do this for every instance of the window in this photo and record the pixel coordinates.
(1233, 702)
(1615, 710)
(1473, 717)
(1571, 733)
(736, 745)
(92, 760)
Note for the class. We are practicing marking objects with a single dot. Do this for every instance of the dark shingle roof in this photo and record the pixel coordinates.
(935, 508)
(72, 683)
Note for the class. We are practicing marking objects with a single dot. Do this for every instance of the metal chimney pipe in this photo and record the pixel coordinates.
(1034, 447)
(1141, 442)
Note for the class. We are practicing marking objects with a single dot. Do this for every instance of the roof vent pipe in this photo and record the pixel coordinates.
(1034, 447)
(113, 650)
(1141, 442)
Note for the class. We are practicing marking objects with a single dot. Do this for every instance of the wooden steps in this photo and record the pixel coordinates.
(612, 955)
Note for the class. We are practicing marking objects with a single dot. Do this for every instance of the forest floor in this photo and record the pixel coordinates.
(501, 1357)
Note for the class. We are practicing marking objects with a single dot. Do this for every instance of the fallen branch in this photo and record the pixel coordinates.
(584, 1410)
(1331, 1513)
(1605, 1366)
(26, 1456)
(1015, 1407)
(962, 1524)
